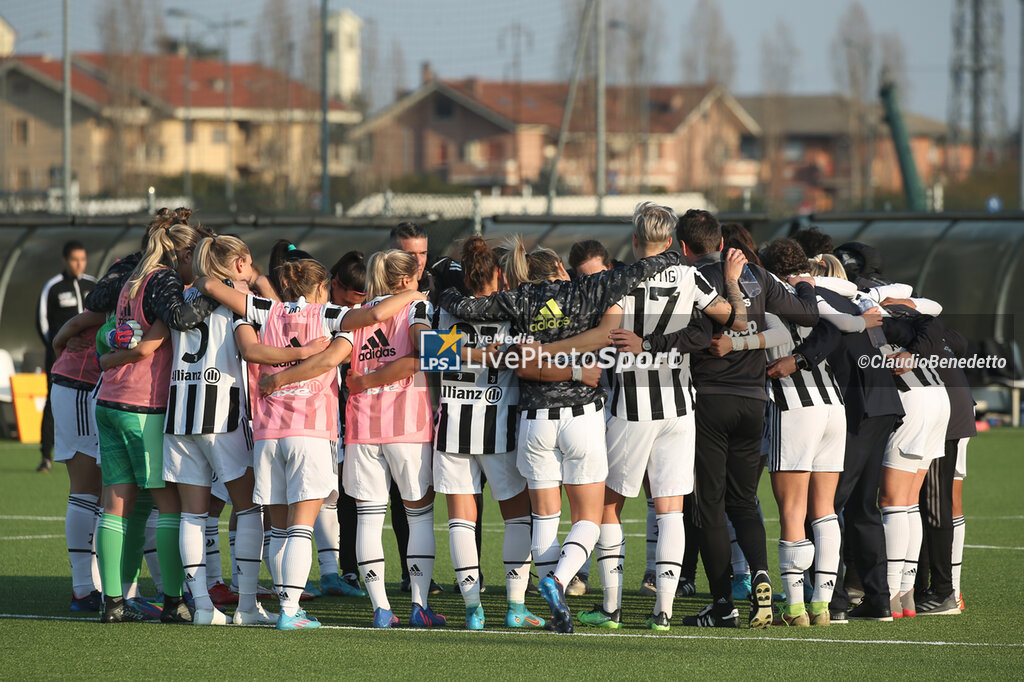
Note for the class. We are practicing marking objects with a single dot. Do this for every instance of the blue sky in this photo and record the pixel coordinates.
(464, 37)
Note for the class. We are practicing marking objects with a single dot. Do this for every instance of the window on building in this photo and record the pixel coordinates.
(793, 151)
(19, 132)
(750, 148)
(189, 131)
(471, 152)
(495, 150)
(443, 107)
(24, 179)
(218, 136)
(442, 152)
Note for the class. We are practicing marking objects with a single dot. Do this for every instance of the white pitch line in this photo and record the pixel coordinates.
(739, 638)
(1019, 549)
(14, 517)
(31, 537)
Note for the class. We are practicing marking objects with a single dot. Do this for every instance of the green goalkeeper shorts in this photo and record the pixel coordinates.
(133, 443)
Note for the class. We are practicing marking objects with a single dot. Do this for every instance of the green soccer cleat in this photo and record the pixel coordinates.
(661, 621)
(599, 618)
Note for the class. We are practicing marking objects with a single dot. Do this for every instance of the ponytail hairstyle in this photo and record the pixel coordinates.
(214, 256)
(478, 264)
(300, 278)
(826, 265)
(165, 218)
(539, 265)
(162, 252)
(282, 252)
(385, 269)
(350, 271)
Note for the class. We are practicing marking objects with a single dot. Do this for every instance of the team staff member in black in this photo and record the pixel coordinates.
(62, 298)
(730, 420)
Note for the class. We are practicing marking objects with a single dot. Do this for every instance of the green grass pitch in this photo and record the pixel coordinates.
(40, 639)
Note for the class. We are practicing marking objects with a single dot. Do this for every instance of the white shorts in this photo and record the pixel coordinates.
(205, 459)
(809, 438)
(294, 469)
(921, 437)
(456, 474)
(960, 469)
(74, 423)
(369, 468)
(664, 449)
(569, 450)
(219, 490)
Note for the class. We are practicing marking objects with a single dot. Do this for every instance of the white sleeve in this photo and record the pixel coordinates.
(927, 306)
(421, 312)
(332, 315)
(880, 293)
(848, 324)
(257, 309)
(840, 286)
(706, 292)
(776, 331)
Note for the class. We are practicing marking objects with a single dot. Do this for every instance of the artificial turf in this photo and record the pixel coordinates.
(983, 642)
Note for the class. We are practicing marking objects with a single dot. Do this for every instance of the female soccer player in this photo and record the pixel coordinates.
(295, 427)
(130, 407)
(561, 436)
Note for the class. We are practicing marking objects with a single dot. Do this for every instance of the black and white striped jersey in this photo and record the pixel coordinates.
(206, 377)
(662, 304)
(814, 385)
(478, 412)
(919, 377)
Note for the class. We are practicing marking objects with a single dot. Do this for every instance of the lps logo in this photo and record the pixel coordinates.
(440, 351)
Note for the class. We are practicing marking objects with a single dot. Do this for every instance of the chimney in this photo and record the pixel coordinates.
(473, 84)
(426, 73)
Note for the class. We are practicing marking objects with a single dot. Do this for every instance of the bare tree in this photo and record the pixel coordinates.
(779, 55)
(852, 54)
(894, 62)
(274, 44)
(709, 53)
(396, 66)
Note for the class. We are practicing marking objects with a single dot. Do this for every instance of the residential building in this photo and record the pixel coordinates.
(344, 56)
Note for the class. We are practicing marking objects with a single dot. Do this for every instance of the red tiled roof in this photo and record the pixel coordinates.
(162, 77)
(533, 103)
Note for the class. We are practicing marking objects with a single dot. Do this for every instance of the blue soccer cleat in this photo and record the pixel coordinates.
(741, 587)
(519, 617)
(90, 603)
(554, 594)
(424, 617)
(475, 617)
(145, 608)
(300, 621)
(384, 618)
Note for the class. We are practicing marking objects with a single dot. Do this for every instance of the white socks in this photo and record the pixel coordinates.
(794, 559)
(913, 548)
(897, 535)
(370, 550)
(327, 531)
(246, 556)
(275, 556)
(827, 541)
(652, 537)
(462, 542)
(610, 550)
(192, 544)
(545, 543)
(420, 557)
(578, 545)
(959, 530)
(516, 553)
(213, 568)
(295, 566)
(669, 561)
(79, 527)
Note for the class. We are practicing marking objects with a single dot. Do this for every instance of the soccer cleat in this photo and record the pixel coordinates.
(300, 621)
(258, 616)
(934, 605)
(310, 591)
(837, 617)
(686, 588)
(761, 614)
(145, 608)
(518, 617)
(707, 618)
(221, 595)
(424, 617)
(474, 617)
(437, 589)
(648, 587)
(800, 620)
(960, 602)
(175, 611)
(554, 594)
(907, 604)
(384, 618)
(896, 607)
(599, 618)
(819, 613)
(741, 587)
(335, 584)
(212, 616)
(90, 603)
(660, 621)
(868, 611)
(45, 466)
(116, 610)
(350, 586)
(578, 586)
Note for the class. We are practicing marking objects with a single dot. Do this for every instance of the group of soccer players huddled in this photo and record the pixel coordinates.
(192, 380)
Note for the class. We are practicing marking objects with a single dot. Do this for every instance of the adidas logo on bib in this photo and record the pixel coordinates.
(376, 347)
(549, 317)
